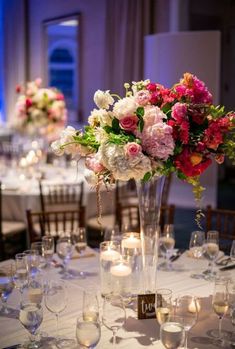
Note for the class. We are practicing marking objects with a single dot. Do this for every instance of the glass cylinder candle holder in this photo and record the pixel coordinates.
(121, 281)
(109, 253)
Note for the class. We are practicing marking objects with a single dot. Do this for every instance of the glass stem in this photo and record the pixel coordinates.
(114, 338)
(57, 324)
(186, 340)
(220, 326)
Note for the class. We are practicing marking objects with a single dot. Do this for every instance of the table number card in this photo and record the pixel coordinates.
(146, 306)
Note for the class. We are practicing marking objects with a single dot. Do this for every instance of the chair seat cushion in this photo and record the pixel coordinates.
(12, 228)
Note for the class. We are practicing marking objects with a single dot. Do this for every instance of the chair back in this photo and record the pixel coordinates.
(56, 196)
(53, 222)
(222, 220)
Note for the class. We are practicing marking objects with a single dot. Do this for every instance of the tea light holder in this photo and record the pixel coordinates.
(194, 306)
(121, 279)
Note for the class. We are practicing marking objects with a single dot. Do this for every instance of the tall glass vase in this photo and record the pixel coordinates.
(150, 195)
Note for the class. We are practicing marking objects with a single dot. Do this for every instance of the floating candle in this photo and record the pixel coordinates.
(120, 270)
(194, 306)
(131, 241)
(109, 255)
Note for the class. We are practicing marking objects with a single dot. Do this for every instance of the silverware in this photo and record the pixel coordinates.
(228, 267)
(178, 254)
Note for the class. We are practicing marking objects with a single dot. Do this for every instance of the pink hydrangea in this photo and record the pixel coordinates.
(93, 164)
(142, 97)
(179, 111)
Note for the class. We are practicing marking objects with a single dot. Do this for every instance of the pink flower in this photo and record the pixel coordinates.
(93, 164)
(132, 149)
(179, 111)
(129, 123)
(219, 158)
(28, 102)
(142, 97)
(60, 97)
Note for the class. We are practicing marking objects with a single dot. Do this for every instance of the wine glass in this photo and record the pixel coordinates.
(232, 251)
(172, 335)
(64, 249)
(220, 300)
(88, 332)
(186, 309)
(163, 305)
(196, 242)
(166, 244)
(21, 272)
(38, 246)
(90, 307)
(36, 289)
(6, 285)
(79, 239)
(48, 247)
(210, 252)
(31, 316)
(32, 260)
(114, 314)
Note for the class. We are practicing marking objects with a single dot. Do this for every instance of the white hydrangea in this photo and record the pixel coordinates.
(103, 99)
(100, 135)
(123, 167)
(124, 107)
(100, 116)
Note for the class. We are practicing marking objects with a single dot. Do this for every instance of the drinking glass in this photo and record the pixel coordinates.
(210, 252)
(21, 272)
(196, 242)
(172, 335)
(48, 248)
(220, 300)
(186, 309)
(163, 305)
(64, 249)
(166, 244)
(32, 260)
(6, 285)
(31, 316)
(88, 332)
(232, 251)
(79, 239)
(114, 314)
(90, 307)
(36, 289)
(38, 246)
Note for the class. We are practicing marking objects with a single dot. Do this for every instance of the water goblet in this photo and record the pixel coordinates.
(48, 247)
(88, 332)
(210, 252)
(232, 251)
(166, 244)
(64, 249)
(6, 285)
(31, 316)
(114, 314)
(21, 272)
(90, 306)
(163, 305)
(220, 301)
(186, 309)
(172, 335)
(79, 239)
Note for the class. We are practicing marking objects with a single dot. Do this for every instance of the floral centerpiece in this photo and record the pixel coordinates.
(40, 111)
(152, 130)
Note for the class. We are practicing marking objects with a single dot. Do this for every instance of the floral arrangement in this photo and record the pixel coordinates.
(152, 130)
(40, 111)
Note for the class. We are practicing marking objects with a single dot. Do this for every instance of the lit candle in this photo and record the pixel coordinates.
(194, 306)
(109, 255)
(23, 162)
(131, 242)
(120, 270)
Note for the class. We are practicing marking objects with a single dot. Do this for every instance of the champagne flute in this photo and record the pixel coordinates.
(167, 243)
(114, 314)
(21, 272)
(6, 286)
(186, 309)
(79, 239)
(32, 261)
(88, 332)
(31, 316)
(90, 307)
(210, 252)
(232, 251)
(220, 300)
(48, 248)
(163, 305)
(172, 335)
(64, 250)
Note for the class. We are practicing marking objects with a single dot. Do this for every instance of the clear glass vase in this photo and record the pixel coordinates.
(150, 195)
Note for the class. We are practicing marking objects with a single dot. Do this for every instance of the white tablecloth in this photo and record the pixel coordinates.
(136, 333)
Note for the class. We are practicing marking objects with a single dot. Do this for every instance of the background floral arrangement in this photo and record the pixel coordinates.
(152, 130)
(40, 111)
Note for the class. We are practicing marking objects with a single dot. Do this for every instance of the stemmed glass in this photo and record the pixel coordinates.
(196, 243)
(6, 286)
(172, 335)
(114, 314)
(166, 244)
(79, 239)
(32, 260)
(38, 246)
(48, 248)
(36, 289)
(220, 300)
(88, 332)
(232, 251)
(210, 252)
(163, 305)
(90, 307)
(21, 272)
(64, 249)
(186, 309)
(31, 316)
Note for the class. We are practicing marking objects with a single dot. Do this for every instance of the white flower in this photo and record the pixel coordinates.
(113, 157)
(137, 86)
(100, 135)
(100, 116)
(90, 177)
(124, 107)
(153, 115)
(103, 99)
(56, 148)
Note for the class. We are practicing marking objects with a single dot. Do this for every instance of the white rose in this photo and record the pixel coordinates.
(100, 116)
(124, 107)
(103, 99)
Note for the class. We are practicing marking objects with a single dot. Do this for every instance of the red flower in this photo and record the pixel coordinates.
(28, 102)
(18, 88)
(191, 164)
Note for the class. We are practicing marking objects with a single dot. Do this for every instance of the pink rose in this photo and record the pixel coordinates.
(93, 164)
(129, 123)
(132, 149)
(143, 97)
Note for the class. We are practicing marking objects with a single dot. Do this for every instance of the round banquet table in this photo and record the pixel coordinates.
(136, 333)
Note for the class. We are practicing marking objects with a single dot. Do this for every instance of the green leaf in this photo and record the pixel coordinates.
(166, 108)
(108, 129)
(141, 124)
(140, 112)
(115, 125)
(147, 177)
